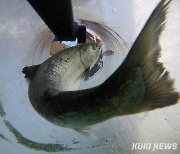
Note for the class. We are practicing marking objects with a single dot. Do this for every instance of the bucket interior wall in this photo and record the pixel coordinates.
(23, 130)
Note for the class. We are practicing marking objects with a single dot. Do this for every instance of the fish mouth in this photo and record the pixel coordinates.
(97, 47)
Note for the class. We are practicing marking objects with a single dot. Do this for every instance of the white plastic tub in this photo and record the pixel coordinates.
(18, 25)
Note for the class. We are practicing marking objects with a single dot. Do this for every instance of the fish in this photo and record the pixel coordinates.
(56, 47)
(140, 84)
(63, 71)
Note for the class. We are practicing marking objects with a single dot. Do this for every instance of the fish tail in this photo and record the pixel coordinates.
(145, 53)
(160, 93)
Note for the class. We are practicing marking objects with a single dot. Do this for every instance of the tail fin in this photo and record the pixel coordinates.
(144, 53)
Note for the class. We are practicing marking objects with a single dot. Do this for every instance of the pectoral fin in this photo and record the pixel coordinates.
(87, 74)
(85, 132)
(96, 68)
(50, 93)
(108, 53)
(29, 71)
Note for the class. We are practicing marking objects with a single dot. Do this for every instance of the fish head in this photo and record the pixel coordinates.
(90, 53)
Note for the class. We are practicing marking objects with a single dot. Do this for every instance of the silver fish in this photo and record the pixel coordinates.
(63, 71)
(140, 84)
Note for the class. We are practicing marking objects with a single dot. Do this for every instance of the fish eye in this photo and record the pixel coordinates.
(94, 46)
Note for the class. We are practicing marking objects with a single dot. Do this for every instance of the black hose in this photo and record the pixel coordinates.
(57, 14)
